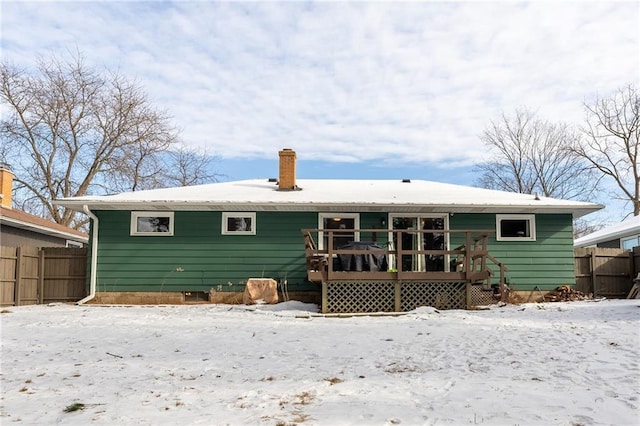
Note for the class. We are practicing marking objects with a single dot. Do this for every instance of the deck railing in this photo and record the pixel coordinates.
(469, 261)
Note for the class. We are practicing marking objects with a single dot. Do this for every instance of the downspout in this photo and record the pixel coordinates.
(93, 274)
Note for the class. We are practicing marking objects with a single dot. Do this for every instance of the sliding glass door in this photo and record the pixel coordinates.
(421, 236)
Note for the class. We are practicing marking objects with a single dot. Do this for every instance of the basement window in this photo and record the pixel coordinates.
(238, 223)
(516, 227)
(195, 296)
(152, 223)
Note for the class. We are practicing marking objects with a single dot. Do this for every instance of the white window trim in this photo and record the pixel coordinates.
(134, 224)
(323, 216)
(74, 244)
(227, 215)
(532, 226)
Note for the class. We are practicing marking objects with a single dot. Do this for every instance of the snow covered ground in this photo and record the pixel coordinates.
(550, 364)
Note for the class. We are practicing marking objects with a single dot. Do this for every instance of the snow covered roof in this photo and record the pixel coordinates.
(625, 228)
(332, 195)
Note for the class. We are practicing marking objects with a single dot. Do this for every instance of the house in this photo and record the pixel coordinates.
(18, 228)
(624, 235)
(353, 245)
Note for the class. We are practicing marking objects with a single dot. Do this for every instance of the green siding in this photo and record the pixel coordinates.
(207, 259)
(546, 262)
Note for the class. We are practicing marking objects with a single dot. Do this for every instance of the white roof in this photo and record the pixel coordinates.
(332, 195)
(625, 228)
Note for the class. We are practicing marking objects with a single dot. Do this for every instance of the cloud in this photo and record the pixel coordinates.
(416, 82)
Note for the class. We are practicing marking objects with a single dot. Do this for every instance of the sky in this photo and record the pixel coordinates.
(536, 364)
(357, 89)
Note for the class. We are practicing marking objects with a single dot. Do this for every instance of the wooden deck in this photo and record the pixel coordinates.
(378, 261)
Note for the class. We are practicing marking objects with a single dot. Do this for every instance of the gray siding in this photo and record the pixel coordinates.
(16, 237)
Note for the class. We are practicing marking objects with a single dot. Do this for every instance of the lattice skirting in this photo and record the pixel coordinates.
(360, 296)
(480, 297)
(440, 295)
(393, 296)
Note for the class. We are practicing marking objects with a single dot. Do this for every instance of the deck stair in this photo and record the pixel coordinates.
(316, 260)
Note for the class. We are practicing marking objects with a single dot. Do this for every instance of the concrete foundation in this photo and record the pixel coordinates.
(177, 298)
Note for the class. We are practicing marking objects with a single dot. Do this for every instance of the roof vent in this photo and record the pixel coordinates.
(406, 180)
(273, 180)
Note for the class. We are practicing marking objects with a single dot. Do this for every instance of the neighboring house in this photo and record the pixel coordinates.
(18, 228)
(624, 235)
(429, 242)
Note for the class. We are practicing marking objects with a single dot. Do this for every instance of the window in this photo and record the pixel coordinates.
(238, 223)
(339, 221)
(516, 227)
(630, 243)
(71, 243)
(195, 296)
(152, 223)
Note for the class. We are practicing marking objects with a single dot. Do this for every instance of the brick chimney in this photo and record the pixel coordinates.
(6, 185)
(287, 181)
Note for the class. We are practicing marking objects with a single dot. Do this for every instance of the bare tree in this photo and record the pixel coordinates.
(610, 145)
(188, 167)
(582, 227)
(510, 169)
(530, 155)
(68, 130)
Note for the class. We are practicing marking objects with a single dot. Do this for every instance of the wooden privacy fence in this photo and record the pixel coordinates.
(33, 275)
(606, 272)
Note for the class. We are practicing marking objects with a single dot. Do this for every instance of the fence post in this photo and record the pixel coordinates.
(17, 292)
(593, 271)
(41, 258)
